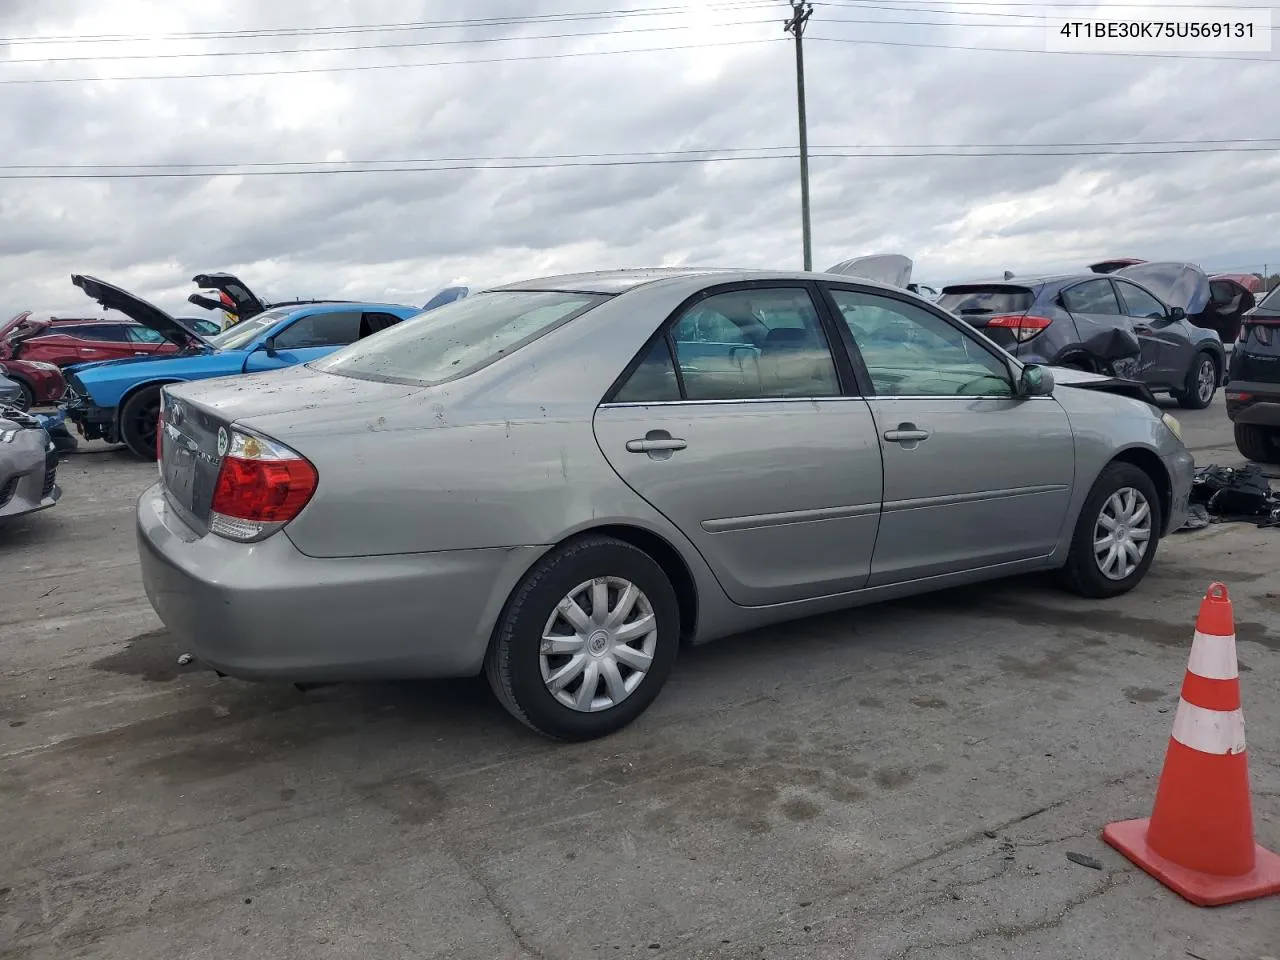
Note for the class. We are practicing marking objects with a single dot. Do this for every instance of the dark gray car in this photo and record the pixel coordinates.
(1131, 323)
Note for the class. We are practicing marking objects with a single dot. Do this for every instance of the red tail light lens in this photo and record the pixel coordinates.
(261, 486)
(1023, 327)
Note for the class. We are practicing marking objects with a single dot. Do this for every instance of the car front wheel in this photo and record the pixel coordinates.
(1116, 534)
(586, 641)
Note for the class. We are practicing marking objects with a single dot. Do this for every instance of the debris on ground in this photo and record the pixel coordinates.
(1085, 860)
(185, 659)
(1232, 494)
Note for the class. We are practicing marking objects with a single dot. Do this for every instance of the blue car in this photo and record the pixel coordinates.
(119, 400)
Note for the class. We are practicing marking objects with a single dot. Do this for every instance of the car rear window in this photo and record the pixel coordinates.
(983, 299)
(458, 338)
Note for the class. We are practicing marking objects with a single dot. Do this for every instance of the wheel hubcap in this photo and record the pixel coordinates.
(1204, 382)
(1122, 533)
(598, 644)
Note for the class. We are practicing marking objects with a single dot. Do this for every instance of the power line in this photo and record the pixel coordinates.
(790, 155)
(377, 46)
(386, 66)
(1064, 144)
(1057, 53)
(391, 27)
(944, 23)
(1051, 5)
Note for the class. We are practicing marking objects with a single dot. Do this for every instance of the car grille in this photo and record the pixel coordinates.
(8, 490)
(18, 417)
(50, 478)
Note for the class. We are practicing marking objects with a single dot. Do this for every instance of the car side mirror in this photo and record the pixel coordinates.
(1177, 313)
(1035, 381)
(269, 345)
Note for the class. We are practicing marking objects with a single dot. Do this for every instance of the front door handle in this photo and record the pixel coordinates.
(658, 444)
(907, 434)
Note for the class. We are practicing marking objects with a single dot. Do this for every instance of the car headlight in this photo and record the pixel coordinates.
(1174, 426)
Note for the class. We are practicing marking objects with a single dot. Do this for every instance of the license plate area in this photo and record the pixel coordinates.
(180, 472)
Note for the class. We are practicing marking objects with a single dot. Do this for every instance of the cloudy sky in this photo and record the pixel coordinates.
(483, 96)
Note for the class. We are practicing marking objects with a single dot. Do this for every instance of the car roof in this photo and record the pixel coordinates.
(337, 306)
(1056, 279)
(610, 282)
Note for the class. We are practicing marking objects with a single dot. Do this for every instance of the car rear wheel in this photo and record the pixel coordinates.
(138, 423)
(1201, 384)
(1116, 534)
(586, 640)
(1258, 443)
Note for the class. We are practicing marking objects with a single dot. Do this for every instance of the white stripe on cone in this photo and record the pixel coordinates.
(1213, 658)
(1209, 731)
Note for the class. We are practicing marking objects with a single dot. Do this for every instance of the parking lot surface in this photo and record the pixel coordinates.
(900, 781)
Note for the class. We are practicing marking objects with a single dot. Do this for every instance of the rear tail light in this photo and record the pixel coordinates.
(1023, 327)
(261, 486)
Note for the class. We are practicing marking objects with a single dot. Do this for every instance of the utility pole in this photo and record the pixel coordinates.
(801, 11)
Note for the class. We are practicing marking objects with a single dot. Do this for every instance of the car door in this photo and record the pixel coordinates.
(307, 337)
(1099, 318)
(754, 443)
(974, 477)
(1166, 349)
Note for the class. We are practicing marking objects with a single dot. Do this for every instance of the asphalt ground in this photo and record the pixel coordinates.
(900, 781)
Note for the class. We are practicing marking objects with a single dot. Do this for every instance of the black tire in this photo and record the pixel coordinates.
(512, 664)
(1081, 574)
(1190, 397)
(1257, 442)
(138, 423)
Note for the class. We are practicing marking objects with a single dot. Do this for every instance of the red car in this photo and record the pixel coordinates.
(42, 383)
(66, 340)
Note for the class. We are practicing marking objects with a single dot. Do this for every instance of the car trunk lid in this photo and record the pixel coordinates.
(892, 269)
(236, 297)
(197, 420)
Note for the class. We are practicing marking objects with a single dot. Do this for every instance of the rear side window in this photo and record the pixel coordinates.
(1093, 296)
(460, 337)
(112, 332)
(320, 330)
(974, 300)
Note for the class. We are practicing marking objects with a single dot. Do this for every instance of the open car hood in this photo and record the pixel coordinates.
(1177, 284)
(1111, 266)
(447, 295)
(135, 308)
(889, 268)
(243, 302)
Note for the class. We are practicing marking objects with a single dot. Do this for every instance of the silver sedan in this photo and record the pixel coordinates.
(559, 482)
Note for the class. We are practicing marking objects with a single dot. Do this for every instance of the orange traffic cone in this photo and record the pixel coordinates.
(1198, 840)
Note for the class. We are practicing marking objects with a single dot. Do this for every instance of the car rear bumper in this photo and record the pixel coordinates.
(265, 611)
(1254, 402)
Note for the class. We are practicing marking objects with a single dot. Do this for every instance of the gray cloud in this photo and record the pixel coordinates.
(402, 236)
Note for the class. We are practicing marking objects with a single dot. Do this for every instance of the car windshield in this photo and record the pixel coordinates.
(246, 331)
(458, 338)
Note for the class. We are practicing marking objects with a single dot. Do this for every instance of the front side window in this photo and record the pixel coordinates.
(1140, 304)
(1092, 296)
(141, 334)
(460, 337)
(754, 344)
(320, 330)
(910, 352)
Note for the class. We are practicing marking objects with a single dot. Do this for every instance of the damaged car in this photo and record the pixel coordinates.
(28, 465)
(1132, 323)
(559, 482)
(34, 384)
(1253, 392)
(118, 401)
